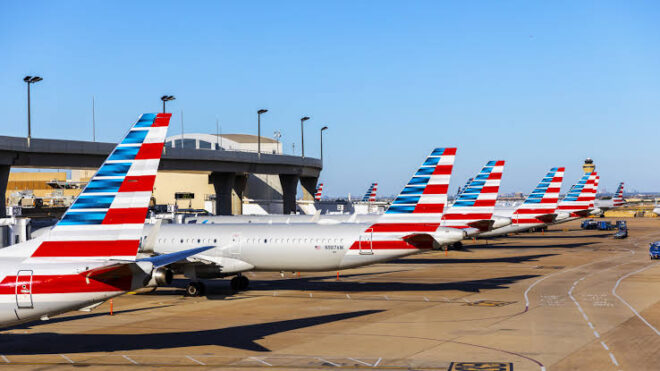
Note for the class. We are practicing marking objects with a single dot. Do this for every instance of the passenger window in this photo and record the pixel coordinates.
(182, 240)
(215, 240)
(265, 240)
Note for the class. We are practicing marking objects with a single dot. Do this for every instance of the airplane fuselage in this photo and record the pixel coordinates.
(303, 247)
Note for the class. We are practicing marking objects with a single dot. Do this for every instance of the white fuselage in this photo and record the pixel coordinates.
(37, 288)
(283, 219)
(300, 247)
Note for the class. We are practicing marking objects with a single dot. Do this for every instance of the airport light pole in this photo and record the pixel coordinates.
(322, 130)
(259, 131)
(302, 135)
(30, 80)
(166, 98)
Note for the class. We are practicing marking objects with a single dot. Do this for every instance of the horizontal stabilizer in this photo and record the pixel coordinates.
(547, 218)
(484, 225)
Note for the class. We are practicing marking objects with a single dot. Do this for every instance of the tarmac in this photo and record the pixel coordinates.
(566, 299)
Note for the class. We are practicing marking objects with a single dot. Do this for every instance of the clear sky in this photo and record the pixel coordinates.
(538, 84)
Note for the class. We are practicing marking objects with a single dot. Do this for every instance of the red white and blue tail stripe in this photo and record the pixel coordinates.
(370, 195)
(106, 220)
(581, 196)
(416, 210)
(618, 200)
(542, 201)
(319, 192)
(477, 202)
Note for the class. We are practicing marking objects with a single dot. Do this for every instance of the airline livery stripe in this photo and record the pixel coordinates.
(384, 245)
(149, 151)
(60, 284)
(125, 215)
(86, 248)
(141, 183)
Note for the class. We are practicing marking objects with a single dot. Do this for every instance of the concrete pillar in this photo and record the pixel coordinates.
(238, 192)
(4, 179)
(289, 187)
(308, 185)
(229, 189)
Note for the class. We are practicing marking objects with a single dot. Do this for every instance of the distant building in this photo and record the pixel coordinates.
(263, 193)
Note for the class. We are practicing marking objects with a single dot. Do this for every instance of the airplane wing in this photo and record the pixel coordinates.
(122, 268)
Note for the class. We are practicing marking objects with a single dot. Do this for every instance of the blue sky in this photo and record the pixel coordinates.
(538, 84)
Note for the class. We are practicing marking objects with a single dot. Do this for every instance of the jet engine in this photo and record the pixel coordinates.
(159, 277)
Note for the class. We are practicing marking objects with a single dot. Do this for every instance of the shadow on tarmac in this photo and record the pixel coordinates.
(329, 284)
(599, 235)
(76, 317)
(240, 337)
(508, 259)
(468, 247)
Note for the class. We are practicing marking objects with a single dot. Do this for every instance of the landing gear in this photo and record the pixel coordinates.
(240, 283)
(195, 289)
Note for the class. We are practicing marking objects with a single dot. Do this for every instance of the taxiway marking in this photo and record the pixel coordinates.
(67, 358)
(5, 359)
(194, 360)
(261, 361)
(130, 360)
(328, 362)
(616, 285)
(364, 363)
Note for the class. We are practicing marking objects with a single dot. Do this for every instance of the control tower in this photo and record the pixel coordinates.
(589, 166)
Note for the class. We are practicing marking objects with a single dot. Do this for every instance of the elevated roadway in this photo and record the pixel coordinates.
(228, 169)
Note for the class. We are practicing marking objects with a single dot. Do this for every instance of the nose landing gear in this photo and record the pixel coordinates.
(239, 283)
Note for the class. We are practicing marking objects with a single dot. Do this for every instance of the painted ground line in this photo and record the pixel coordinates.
(596, 334)
(591, 325)
(194, 360)
(426, 299)
(348, 296)
(377, 362)
(554, 274)
(130, 360)
(5, 359)
(386, 298)
(260, 361)
(613, 359)
(630, 306)
(67, 358)
(328, 362)
(364, 363)
(604, 345)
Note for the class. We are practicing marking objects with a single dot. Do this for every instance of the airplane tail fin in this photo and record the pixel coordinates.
(581, 195)
(370, 195)
(107, 218)
(419, 206)
(542, 201)
(319, 192)
(618, 200)
(477, 202)
(594, 191)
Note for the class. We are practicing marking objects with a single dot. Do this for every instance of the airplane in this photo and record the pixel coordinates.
(370, 195)
(319, 192)
(89, 256)
(474, 207)
(410, 225)
(538, 209)
(618, 196)
(608, 203)
(578, 202)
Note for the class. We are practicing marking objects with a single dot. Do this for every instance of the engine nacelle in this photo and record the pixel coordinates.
(159, 277)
